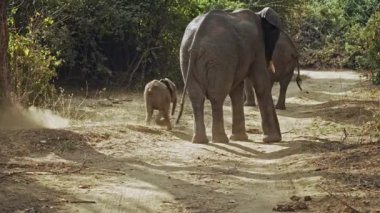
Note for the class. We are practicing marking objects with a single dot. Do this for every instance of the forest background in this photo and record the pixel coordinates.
(95, 44)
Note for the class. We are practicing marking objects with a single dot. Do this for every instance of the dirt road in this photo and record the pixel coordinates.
(109, 161)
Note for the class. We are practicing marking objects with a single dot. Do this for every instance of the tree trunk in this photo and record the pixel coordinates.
(4, 63)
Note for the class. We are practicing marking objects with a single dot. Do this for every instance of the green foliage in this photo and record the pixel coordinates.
(320, 33)
(128, 42)
(371, 35)
(122, 42)
(342, 33)
(32, 66)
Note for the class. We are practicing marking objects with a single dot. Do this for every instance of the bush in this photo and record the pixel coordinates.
(371, 36)
(342, 34)
(122, 42)
(32, 66)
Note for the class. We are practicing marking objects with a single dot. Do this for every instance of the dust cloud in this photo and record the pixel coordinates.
(17, 117)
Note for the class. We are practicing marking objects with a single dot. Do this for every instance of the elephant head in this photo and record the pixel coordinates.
(173, 92)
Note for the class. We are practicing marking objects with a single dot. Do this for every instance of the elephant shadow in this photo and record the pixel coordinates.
(332, 101)
(183, 135)
(285, 148)
(355, 112)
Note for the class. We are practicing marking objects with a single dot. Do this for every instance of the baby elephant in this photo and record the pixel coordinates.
(158, 95)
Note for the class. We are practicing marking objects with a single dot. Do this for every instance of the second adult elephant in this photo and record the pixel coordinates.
(218, 51)
(285, 60)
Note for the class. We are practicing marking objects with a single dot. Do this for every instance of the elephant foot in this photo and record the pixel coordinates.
(219, 138)
(200, 139)
(282, 107)
(239, 137)
(272, 138)
(249, 104)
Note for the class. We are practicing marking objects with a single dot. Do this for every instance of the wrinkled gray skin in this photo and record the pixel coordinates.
(218, 51)
(158, 95)
(285, 60)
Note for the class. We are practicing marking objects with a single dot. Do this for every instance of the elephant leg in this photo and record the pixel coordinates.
(262, 84)
(166, 121)
(218, 132)
(158, 118)
(249, 93)
(238, 122)
(197, 102)
(149, 113)
(283, 88)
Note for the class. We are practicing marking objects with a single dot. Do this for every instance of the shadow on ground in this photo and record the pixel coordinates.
(342, 111)
(21, 191)
(18, 189)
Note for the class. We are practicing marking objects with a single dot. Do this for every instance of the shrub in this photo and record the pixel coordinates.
(32, 66)
(342, 33)
(372, 38)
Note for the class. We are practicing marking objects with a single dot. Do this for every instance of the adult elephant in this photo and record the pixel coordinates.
(285, 60)
(218, 51)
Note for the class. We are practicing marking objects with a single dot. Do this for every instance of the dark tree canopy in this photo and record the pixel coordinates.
(4, 66)
(126, 43)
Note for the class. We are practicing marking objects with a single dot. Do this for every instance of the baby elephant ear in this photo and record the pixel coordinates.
(272, 17)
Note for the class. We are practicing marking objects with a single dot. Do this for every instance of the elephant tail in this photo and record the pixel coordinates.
(298, 79)
(189, 68)
(181, 106)
(174, 105)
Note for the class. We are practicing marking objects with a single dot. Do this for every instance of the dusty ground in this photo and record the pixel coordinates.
(107, 160)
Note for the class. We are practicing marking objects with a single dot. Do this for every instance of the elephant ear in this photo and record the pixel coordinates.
(272, 17)
(271, 25)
